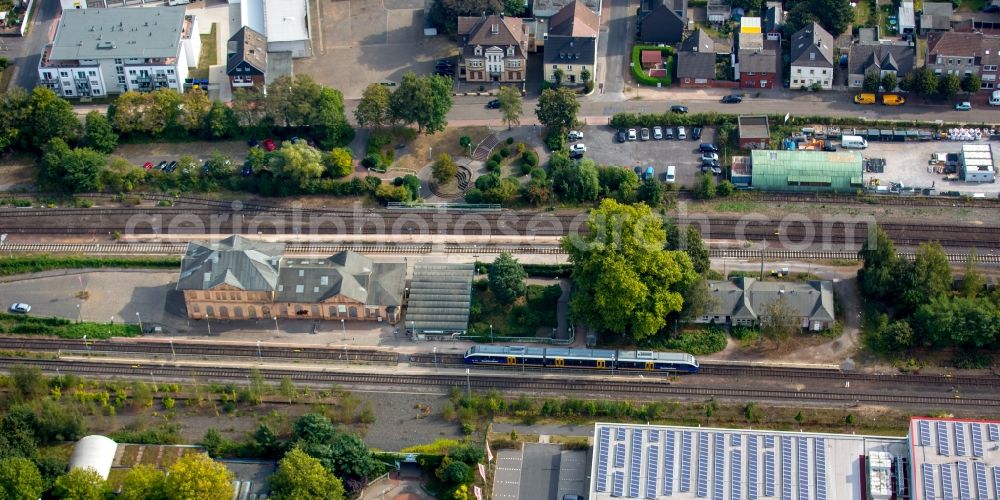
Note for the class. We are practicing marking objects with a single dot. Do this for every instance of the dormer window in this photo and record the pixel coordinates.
(510, 51)
(479, 50)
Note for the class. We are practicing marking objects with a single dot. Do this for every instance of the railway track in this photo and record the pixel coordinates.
(645, 388)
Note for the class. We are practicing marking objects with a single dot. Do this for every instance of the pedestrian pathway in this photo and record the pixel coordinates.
(485, 147)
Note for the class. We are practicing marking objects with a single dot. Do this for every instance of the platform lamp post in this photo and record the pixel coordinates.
(173, 353)
(260, 358)
(140, 321)
(85, 344)
(435, 351)
(491, 332)
(79, 314)
(468, 384)
(343, 330)
(276, 331)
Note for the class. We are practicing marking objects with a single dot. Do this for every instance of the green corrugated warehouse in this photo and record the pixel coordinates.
(779, 170)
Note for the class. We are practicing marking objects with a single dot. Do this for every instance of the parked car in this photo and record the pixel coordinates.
(963, 106)
(494, 104)
(148, 165)
(695, 133)
(247, 169)
(161, 166)
(657, 132)
(644, 134)
(620, 136)
(707, 147)
(829, 147)
(171, 166)
(631, 134)
(252, 143)
(709, 157)
(578, 148)
(638, 171)
(648, 174)
(681, 134)
(668, 132)
(864, 98)
(20, 307)
(575, 135)
(892, 100)
(575, 155)
(732, 99)
(678, 109)
(269, 145)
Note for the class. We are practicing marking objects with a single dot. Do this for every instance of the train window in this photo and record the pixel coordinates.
(511, 360)
(560, 362)
(650, 365)
(600, 363)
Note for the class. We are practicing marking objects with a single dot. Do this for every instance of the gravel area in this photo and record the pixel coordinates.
(399, 422)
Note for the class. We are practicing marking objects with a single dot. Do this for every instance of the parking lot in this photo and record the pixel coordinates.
(908, 163)
(683, 154)
(367, 41)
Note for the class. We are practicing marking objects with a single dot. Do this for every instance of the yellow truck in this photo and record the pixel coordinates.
(892, 100)
(864, 98)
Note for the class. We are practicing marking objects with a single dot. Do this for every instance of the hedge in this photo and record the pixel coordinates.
(641, 76)
(535, 270)
(38, 263)
(620, 120)
(64, 328)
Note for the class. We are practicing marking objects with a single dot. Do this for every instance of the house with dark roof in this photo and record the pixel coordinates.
(696, 59)
(811, 58)
(757, 61)
(748, 302)
(882, 56)
(492, 49)
(246, 58)
(936, 17)
(237, 278)
(964, 53)
(774, 18)
(571, 47)
(662, 21)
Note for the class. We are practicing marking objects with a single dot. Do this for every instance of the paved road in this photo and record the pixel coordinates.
(616, 51)
(26, 62)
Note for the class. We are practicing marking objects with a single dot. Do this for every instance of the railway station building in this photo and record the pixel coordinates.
(939, 458)
(744, 301)
(237, 278)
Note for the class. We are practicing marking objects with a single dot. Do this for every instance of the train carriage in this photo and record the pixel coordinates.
(656, 361)
(575, 358)
(505, 355)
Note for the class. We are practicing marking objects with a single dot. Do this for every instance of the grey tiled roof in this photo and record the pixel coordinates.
(247, 45)
(812, 46)
(347, 274)
(758, 61)
(570, 50)
(863, 58)
(696, 65)
(236, 261)
(747, 298)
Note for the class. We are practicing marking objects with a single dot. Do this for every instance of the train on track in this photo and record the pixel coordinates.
(582, 358)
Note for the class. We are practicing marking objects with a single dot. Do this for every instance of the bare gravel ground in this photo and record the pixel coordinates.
(399, 422)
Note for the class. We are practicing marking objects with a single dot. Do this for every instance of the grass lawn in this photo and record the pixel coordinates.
(33, 325)
(862, 14)
(209, 55)
(971, 6)
(921, 49)
(415, 155)
(530, 315)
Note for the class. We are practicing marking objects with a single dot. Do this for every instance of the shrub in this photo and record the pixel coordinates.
(510, 140)
(373, 161)
(555, 140)
(538, 173)
(497, 157)
(530, 157)
(504, 152)
(695, 341)
(493, 167)
(465, 141)
(525, 169)
(520, 147)
(747, 333)
(725, 188)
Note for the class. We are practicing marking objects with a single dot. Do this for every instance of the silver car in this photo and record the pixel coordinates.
(657, 132)
(20, 307)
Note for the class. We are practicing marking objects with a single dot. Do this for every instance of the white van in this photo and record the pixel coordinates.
(853, 142)
(995, 98)
(670, 176)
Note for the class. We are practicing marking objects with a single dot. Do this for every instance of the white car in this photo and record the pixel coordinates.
(631, 134)
(575, 135)
(578, 148)
(681, 134)
(657, 133)
(709, 157)
(20, 307)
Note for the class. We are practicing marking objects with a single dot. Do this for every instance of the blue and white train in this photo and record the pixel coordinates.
(560, 357)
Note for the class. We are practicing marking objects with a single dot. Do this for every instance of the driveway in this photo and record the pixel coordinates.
(613, 49)
(24, 53)
(604, 150)
(363, 41)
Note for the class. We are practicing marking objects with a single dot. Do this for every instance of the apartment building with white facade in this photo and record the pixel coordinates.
(96, 52)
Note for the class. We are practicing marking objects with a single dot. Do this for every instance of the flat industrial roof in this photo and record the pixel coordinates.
(686, 463)
(285, 20)
(153, 32)
(954, 458)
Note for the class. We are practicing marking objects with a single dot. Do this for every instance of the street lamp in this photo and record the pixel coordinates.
(275, 325)
(343, 330)
(491, 332)
(468, 384)
(79, 315)
(86, 345)
(140, 321)
(173, 354)
(435, 351)
(260, 358)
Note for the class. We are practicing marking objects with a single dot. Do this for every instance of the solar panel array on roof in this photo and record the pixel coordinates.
(735, 439)
(964, 488)
(769, 473)
(977, 440)
(668, 465)
(617, 483)
(996, 478)
(620, 434)
(635, 456)
(942, 438)
(981, 487)
(947, 489)
(654, 436)
(602, 459)
(820, 468)
(685, 485)
(959, 430)
(768, 441)
(719, 462)
(924, 428)
(752, 467)
(702, 485)
(619, 455)
(735, 475)
(786, 468)
(652, 465)
(994, 430)
(927, 480)
(803, 469)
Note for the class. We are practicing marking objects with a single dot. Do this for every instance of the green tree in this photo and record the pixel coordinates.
(538, 191)
(949, 85)
(217, 166)
(51, 117)
(143, 482)
(374, 109)
(892, 338)
(70, 170)
(933, 271)
(444, 169)
(267, 441)
(195, 476)
(513, 7)
(299, 162)
(871, 82)
(221, 122)
(971, 83)
(778, 321)
(948, 321)
(557, 109)
(698, 299)
(424, 100)
(302, 476)
(81, 484)
(622, 184)
(557, 76)
(17, 433)
(454, 472)
(878, 254)
(586, 78)
(507, 278)
(925, 82)
(98, 134)
(340, 163)
(626, 281)
(510, 105)
(704, 188)
(503, 192)
(650, 192)
(445, 13)
(312, 428)
(691, 243)
(20, 479)
(972, 280)
(193, 111)
(15, 111)
(350, 458)
(574, 183)
(834, 15)
(889, 82)
(329, 125)
(29, 383)
(121, 176)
